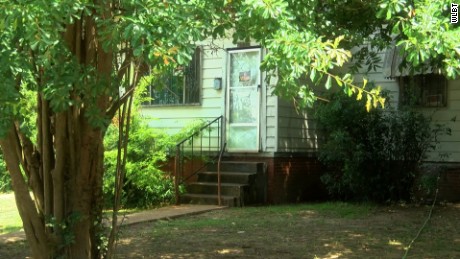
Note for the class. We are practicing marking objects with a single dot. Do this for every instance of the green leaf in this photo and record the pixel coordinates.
(137, 51)
(328, 82)
(388, 14)
(313, 75)
(360, 94)
(338, 80)
(369, 103)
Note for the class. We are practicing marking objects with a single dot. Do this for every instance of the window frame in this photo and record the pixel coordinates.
(196, 66)
(422, 87)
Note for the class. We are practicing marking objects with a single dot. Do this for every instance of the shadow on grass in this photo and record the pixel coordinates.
(9, 229)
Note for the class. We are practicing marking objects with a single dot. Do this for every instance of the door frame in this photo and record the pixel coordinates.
(231, 51)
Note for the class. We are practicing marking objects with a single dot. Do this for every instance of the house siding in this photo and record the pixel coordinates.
(271, 121)
(175, 117)
(213, 102)
(450, 117)
(447, 149)
(295, 175)
(448, 145)
(297, 131)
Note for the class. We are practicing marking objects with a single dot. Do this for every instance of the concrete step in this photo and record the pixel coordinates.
(227, 177)
(211, 199)
(237, 166)
(241, 182)
(230, 189)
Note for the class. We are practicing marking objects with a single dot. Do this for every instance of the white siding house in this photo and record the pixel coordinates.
(258, 126)
(280, 126)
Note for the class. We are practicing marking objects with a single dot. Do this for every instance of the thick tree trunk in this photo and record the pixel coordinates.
(58, 182)
(33, 221)
(76, 196)
(86, 195)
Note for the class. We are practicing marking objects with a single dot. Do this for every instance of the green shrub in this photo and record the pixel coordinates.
(145, 185)
(5, 179)
(371, 155)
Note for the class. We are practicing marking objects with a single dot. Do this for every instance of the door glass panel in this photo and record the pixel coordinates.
(244, 69)
(242, 138)
(241, 106)
(244, 100)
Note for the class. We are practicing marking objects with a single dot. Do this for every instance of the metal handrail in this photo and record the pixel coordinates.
(219, 202)
(206, 150)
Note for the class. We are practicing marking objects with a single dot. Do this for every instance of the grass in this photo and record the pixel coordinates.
(275, 216)
(338, 209)
(318, 230)
(321, 230)
(10, 221)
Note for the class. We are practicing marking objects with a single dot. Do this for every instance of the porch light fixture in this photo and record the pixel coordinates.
(217, 83)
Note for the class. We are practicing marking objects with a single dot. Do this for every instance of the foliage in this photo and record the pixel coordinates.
(423, 30)
(372, 155)
(146, 185)
(308, 39)
(75, 56)
(5, 179)
(426, 184)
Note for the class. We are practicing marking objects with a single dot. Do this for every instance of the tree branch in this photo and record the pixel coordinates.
(33, 222)
(31, 165)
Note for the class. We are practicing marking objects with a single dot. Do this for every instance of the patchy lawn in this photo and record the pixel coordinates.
(9, 216)
(326, 230)
(323, 230)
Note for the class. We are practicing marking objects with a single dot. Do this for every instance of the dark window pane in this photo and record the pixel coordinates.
(180, 85)
(427, 90)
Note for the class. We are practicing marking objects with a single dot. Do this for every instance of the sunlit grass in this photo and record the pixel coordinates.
(336, 209)
(10, 221)
(395, 243)
(238, 219)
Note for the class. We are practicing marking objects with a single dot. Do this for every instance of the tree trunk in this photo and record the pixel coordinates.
(58, 182)
(76, 196)
(33, 222)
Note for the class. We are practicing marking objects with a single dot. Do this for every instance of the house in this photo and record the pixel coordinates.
(260, 127)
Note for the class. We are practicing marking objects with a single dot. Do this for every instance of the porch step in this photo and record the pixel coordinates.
(226, 200)
(239, 184)
(227, 177)
(237, 166)
(231, 189)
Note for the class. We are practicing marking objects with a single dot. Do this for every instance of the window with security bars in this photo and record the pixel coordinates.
(426, 90)
(178, 86)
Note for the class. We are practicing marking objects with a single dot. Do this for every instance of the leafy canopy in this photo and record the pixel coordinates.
(309, 39)
(305, 40)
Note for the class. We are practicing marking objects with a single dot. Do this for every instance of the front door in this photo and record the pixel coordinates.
(243, 93)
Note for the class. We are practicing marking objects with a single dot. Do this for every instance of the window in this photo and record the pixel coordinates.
(426, 90)
(179, 86)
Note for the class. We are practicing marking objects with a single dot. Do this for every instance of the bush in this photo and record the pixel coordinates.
(5, 179)
(371, 155)
(145, 185)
